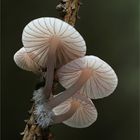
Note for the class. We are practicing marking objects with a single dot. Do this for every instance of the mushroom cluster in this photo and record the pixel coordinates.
(50, 44)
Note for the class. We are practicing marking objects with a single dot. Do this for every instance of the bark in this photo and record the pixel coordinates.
(68, 11)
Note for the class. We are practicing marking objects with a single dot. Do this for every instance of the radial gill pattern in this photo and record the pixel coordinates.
(101, 83)
(85, 115)
(23, 61)
(36, 40)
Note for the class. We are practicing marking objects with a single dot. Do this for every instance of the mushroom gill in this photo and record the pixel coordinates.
(85, 114)
(23, 61)
(101, 82)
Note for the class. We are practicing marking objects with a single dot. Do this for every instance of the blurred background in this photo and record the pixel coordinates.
(110, 29)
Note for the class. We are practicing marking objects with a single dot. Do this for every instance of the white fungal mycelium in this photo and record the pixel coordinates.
(42, 112)
(101, 83)
(51, 43)
(38, 96)
(43, 115)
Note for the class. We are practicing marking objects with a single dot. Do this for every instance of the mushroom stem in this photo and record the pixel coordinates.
(62, 117)
(50, 69)
(85, 74)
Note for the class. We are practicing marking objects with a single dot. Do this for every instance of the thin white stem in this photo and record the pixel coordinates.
(85, 74)
(50, 68)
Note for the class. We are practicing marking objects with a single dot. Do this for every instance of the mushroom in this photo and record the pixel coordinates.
(85, 114)
(44, 113)
(46, 117)
(91, 75)
(51, 43)
(23, 61)
(77, 111)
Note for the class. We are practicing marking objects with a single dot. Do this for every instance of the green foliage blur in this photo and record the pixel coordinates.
(110, 29)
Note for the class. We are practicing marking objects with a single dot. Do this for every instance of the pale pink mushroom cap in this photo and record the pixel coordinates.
(85, 115)
(38, 33)
(101, 83)
(24, 62)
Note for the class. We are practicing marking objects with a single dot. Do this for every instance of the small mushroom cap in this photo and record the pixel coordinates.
(101, 83)
(85, 115)
(36, 40)
(23, 61)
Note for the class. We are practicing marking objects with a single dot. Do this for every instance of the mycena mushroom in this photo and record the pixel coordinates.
(46, 117)
(85, 114)
(23, 61)
(51, 43)
(77, 111)
(89, 74)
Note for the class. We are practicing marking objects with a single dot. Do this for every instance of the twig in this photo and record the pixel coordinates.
(68, 11)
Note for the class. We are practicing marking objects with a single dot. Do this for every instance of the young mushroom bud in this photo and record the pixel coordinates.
(23, 61)
(89, 74)
(85, 114)
(51, 43)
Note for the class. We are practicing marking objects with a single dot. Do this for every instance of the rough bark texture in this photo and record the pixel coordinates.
(68, 11)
